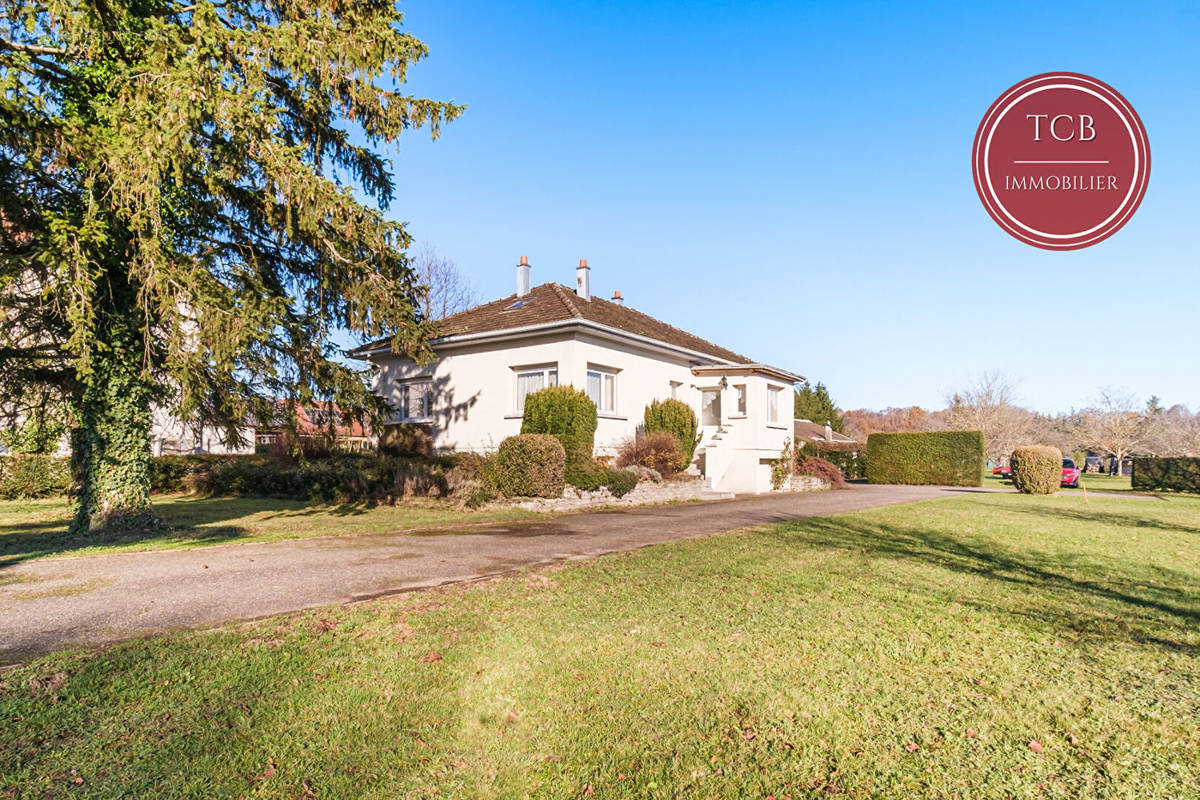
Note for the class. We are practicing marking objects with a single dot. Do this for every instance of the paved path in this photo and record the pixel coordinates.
(52, 603)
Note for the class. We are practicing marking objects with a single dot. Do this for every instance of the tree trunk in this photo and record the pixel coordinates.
(112, 445)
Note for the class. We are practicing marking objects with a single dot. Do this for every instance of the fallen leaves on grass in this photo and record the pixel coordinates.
(267, 773)
(50, 684)
(1035, 745)
(431, 657)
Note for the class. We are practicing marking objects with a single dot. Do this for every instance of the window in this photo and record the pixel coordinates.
(602, 389)
(534, 379)
(773, 403)
(416, 400)
(741, 398)
(675, 389)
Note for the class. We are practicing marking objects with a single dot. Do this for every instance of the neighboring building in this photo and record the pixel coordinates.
(488, 358)
(170, 436)
(313, 422)
(824, 436)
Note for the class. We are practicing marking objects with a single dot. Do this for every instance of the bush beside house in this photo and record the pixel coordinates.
(658, 450)
(570, 416)
(1036, 469)
(945, 458)
(676, 418)
(530, 465)
(1166, 474)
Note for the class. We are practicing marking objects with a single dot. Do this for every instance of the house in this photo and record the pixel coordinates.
(318, 420)
(488, 358)
(824, 437)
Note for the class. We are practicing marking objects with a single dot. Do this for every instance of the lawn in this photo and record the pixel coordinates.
(1093, 482)
(987, 645)
(38, 528)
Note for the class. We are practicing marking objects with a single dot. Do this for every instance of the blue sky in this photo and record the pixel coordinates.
(793, 181)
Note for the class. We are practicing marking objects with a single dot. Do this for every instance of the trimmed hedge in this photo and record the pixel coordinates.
(676, 418)
(1036, 469)
(569, 415)
(943, 458)
(530, 465)
(178, 473)
(26, 477)
(1167, 474)
(343, 478)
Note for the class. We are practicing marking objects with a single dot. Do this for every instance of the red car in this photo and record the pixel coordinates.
(1070, 474)
(1002, 472)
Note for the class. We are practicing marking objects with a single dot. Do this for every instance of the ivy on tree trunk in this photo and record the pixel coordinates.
(191, 207)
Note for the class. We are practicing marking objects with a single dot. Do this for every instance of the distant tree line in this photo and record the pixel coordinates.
(1114, 425)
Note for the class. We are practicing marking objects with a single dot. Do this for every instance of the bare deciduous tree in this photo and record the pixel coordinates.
(1114, 426)
(987, 405)
(447, 290)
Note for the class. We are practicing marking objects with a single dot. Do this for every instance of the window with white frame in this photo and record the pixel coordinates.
(602, 389)
(416, 400)
(741, 398)
(773, 393)
(675, 389)
(534, 379)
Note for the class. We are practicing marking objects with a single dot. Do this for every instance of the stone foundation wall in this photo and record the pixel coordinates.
(645, 493)
(807, 483)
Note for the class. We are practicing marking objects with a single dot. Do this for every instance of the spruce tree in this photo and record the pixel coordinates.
(813, 403)
(191, 205)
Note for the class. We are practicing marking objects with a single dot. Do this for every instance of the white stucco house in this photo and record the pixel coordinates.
(488, 358)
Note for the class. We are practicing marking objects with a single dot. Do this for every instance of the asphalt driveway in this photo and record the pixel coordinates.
(53, 603)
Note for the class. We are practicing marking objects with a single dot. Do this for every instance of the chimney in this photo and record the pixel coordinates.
(583, 280)
(523, 277)
(616, 298)
(828, 431)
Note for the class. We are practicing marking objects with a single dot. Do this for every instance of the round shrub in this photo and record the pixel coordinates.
(569, 415)
(660, 451)
(25, 477)
(1036, 469)
(621, 482)
(676, 418)
(530, 465)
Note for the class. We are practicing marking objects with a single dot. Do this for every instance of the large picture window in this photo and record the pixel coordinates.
(602, 389)
(416, 400)
(534, 379)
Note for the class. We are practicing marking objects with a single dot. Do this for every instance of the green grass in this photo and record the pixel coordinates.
(38, 528)
(1092, 481)
(912, 651)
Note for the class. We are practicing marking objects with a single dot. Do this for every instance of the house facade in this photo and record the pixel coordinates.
(490, 357)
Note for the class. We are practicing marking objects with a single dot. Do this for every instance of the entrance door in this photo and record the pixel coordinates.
(710, 407)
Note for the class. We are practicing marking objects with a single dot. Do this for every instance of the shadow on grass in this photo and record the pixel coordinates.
(188, 520)
(1110, 599)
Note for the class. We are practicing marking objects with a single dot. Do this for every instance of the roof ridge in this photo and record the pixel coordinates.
(565, 297)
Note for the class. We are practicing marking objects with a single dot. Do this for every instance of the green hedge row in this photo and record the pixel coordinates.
(943, 458)
(1167, 474)
(27, 477)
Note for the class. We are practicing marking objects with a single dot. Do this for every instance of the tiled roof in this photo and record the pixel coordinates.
(816, 433)
(552, 302)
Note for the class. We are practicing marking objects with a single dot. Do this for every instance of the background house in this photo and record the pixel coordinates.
(488, 358)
